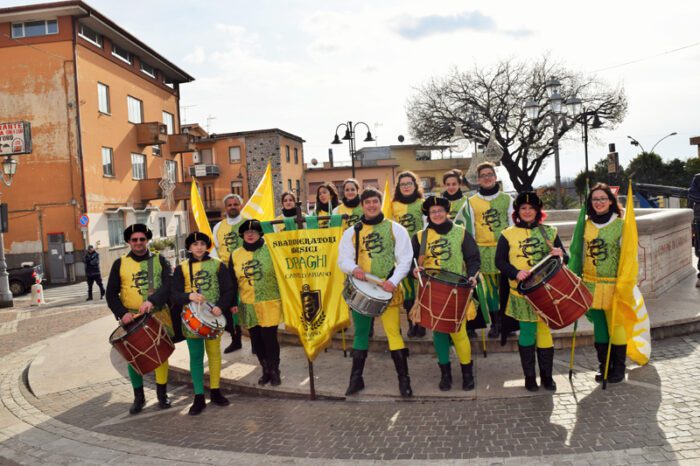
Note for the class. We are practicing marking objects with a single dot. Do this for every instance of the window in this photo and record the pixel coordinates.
(206, 157)
(162, 227)
(296, 156)
(298, 189)
(107, 161)
(237, 188)
(156, 151)
(171, 170)
(103, 98)
(143, 217)
(138, 166)
(234, 154)
(289, 185)
(169, 121)
(135, 109)
(115, 225)
(287, 148)
(90, 35)
(148, 69)
(122, 54)
(34, 28)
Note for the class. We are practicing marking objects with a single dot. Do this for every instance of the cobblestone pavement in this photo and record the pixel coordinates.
(653, 418)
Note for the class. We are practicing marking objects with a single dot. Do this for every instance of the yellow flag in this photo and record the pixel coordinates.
(628, 303)
(261, 205)
(200, 216)
(310, 283)
(387, 210)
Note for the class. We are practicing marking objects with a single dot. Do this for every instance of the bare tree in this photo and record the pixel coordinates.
(481, 100)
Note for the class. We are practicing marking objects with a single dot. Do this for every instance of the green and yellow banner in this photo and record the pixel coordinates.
(310, 284)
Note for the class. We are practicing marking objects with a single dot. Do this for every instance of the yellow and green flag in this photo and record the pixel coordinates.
(198, 212)
(387, 208)
(310, 284)
(628, 302)
(261, 205)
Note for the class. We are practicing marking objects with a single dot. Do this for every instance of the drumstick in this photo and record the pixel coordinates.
(420, 280)
(374, 279)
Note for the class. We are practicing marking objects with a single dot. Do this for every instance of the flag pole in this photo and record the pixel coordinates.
(573, 349)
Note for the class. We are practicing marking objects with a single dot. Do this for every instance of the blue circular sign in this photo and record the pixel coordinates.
(84, 220)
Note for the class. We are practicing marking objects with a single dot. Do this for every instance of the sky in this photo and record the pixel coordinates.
(306, 67)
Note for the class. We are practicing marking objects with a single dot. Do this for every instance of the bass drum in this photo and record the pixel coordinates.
(144, 343)
(443, 300)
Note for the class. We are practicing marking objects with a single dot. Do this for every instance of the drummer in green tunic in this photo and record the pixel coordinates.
(259, 304)
(520, 248)
(448, 247)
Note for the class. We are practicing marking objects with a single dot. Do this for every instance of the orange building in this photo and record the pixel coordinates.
(235, 163)
(104, 112)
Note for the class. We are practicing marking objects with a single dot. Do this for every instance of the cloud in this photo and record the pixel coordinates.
(197, 56)
(414, 28)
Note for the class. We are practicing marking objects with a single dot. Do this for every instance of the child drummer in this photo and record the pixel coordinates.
(446, 246)
(201, 279)
(519, 248)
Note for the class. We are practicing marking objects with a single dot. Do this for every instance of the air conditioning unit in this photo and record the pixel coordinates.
(196, 157)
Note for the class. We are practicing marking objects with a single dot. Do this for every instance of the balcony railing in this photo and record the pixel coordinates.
(151, 190)
(181, 143)
(202, 170)
(151, 133)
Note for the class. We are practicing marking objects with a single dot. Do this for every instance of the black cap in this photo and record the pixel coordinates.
(137, 228)
(250, 225)
(528, 197)
(432, 201)
(197, 236)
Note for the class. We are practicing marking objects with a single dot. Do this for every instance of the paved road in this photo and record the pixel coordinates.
(651, 419)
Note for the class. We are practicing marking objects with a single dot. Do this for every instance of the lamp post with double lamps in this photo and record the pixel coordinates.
(350, 137)
(9, 168)
(636, 143)
(582, 115)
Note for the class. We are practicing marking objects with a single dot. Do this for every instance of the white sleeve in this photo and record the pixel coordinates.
(346, 252)
(215, 250)
(403, 253)
(471, 217)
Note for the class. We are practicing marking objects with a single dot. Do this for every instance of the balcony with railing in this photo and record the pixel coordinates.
(151, 133)
(204, 170)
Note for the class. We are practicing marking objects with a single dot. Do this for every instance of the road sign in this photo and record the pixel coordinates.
(84, 220)
(615, 189)
(84, 229)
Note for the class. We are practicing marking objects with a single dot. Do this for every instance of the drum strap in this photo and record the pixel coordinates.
(189, 264)
(151, 290)
(423, 245)
(543, 232)
(357, 227)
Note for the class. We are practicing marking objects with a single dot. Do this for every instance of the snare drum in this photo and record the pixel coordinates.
(199, 321)
(365, 298)
(556, 294)
(443, 300)
(144, 343)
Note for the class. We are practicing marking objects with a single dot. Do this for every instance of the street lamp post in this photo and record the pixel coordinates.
(9, 168)
(350, 137)
(581, 115)
(636, 143)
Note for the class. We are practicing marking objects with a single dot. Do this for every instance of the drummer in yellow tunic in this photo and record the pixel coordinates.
(519, 248)
(407, 208)
(450, 248)
(381, 247)
(139, 283)
(201, 279)
(259, 303)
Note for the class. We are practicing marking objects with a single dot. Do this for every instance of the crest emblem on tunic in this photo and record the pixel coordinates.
(491, 219)
(598, 250)
(312, 312)
(531, 249)
(440, 250)
(202, 280)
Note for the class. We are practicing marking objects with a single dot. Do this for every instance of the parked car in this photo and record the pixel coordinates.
(21, 279)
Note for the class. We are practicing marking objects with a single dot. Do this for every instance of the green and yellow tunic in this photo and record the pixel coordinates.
(354, 214)
(457, 201)
(256, 284)
(409, 216)
(226, 238)
(601, 259)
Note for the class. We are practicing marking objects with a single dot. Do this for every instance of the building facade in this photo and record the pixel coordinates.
(104, 113)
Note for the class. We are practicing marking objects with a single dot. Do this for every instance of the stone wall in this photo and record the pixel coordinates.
(262, 149)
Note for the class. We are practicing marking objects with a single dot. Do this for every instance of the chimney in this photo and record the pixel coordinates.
(330, 156)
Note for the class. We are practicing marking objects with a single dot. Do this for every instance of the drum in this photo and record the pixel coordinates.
(366, 298)
(443, 299)
(144, 343)
(199, 320)
(556, 294)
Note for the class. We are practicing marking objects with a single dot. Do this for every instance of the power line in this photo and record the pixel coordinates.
(620, 65)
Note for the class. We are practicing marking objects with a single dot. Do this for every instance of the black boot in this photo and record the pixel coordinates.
(274, 367)
(358, 366)
(401, 364)
(545, 359)
(527, 360)
(139, 401)
(618, 355)
(163, 400)
(445, 377)
(217, 398)
(371, 328)
(198, 406)
(495, 329)
(265, 377)
(235, 340)
(89, 298)
(411, 329)
(102, 293)
(602, 351)
(467, 377)
(419, 330)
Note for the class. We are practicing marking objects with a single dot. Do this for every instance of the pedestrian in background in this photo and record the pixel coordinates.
(694, 203)
(92, 271)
